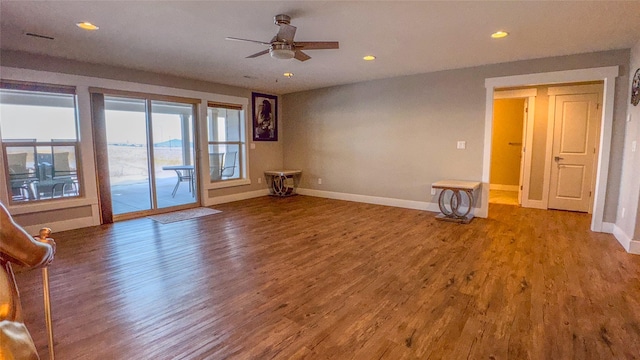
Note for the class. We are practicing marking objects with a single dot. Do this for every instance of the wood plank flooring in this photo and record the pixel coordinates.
(311, 278)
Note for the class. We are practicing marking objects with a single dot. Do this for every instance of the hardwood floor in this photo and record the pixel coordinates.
(503, 197)
(305, 277)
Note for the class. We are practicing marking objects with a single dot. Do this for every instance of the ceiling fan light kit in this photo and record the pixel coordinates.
(282, 45)
(282, 51)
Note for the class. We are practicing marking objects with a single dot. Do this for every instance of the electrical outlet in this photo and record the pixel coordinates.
(252, 146)
(319, 181)
(461, 145)
(433, 191)
(259, 180)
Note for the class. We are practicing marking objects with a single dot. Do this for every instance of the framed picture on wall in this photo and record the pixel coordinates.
(265, 117)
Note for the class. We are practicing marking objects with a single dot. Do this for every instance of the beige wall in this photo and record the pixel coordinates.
(630, 183)
(506, 144)
(395, 137)
(44, 217)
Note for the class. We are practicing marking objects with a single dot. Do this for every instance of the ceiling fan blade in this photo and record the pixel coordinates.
(247, 40)
(317, 45)
(258, 54)
(301, 56)
(286, 33)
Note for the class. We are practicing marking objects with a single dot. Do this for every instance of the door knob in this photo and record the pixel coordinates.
(558, 158)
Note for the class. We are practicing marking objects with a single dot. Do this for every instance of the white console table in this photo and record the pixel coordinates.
(452, 211)
(282, 182)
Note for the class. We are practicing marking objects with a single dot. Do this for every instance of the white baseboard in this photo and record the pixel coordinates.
(632, 246)
(503, 187)
(481, 213)
(408, 204)
(608, 227)
(235, 197)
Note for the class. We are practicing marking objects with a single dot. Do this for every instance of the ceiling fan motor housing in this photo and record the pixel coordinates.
(282, 19)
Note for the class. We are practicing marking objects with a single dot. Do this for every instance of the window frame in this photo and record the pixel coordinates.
(243, 155)
(77, 182)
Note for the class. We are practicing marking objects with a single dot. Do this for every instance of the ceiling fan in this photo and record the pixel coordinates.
(282, 45)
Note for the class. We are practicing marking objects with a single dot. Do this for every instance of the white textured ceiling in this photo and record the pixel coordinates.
(187, 38)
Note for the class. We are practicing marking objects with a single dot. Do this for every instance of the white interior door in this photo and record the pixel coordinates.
(574, 150)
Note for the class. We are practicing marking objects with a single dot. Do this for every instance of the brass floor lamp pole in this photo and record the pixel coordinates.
(44, 234)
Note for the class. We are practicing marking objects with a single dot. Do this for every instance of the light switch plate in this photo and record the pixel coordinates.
(462, 145)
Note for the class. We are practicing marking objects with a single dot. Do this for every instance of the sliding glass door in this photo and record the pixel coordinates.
(151, 154)
(173, 153)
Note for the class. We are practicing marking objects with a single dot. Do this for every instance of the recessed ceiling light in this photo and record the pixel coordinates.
(288, 74)
(499, 34)
(369, 58)
(86, 25)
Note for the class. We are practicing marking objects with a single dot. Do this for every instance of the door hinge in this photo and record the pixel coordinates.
(589, 193)
(597, 106)
(520, 187)
(526, 109)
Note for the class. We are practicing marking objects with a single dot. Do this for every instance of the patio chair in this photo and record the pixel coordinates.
(63, 174)
(215, 166)
(55, 172)
(229, 164)
(222, 165)
(19, 176)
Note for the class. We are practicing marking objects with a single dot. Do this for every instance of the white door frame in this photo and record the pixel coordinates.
(608, 75)
(525, 168)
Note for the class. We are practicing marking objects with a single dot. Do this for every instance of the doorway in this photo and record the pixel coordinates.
(608, 77)
(513, 124)
(556, 171)
(151, 155)
(509, 116)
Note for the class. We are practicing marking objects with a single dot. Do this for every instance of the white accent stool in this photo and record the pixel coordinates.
(457, 187)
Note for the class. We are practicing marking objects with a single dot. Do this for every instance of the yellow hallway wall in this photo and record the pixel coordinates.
(506, 145)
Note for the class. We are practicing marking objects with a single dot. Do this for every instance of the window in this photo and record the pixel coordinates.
(227, 142)
(39, 130)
